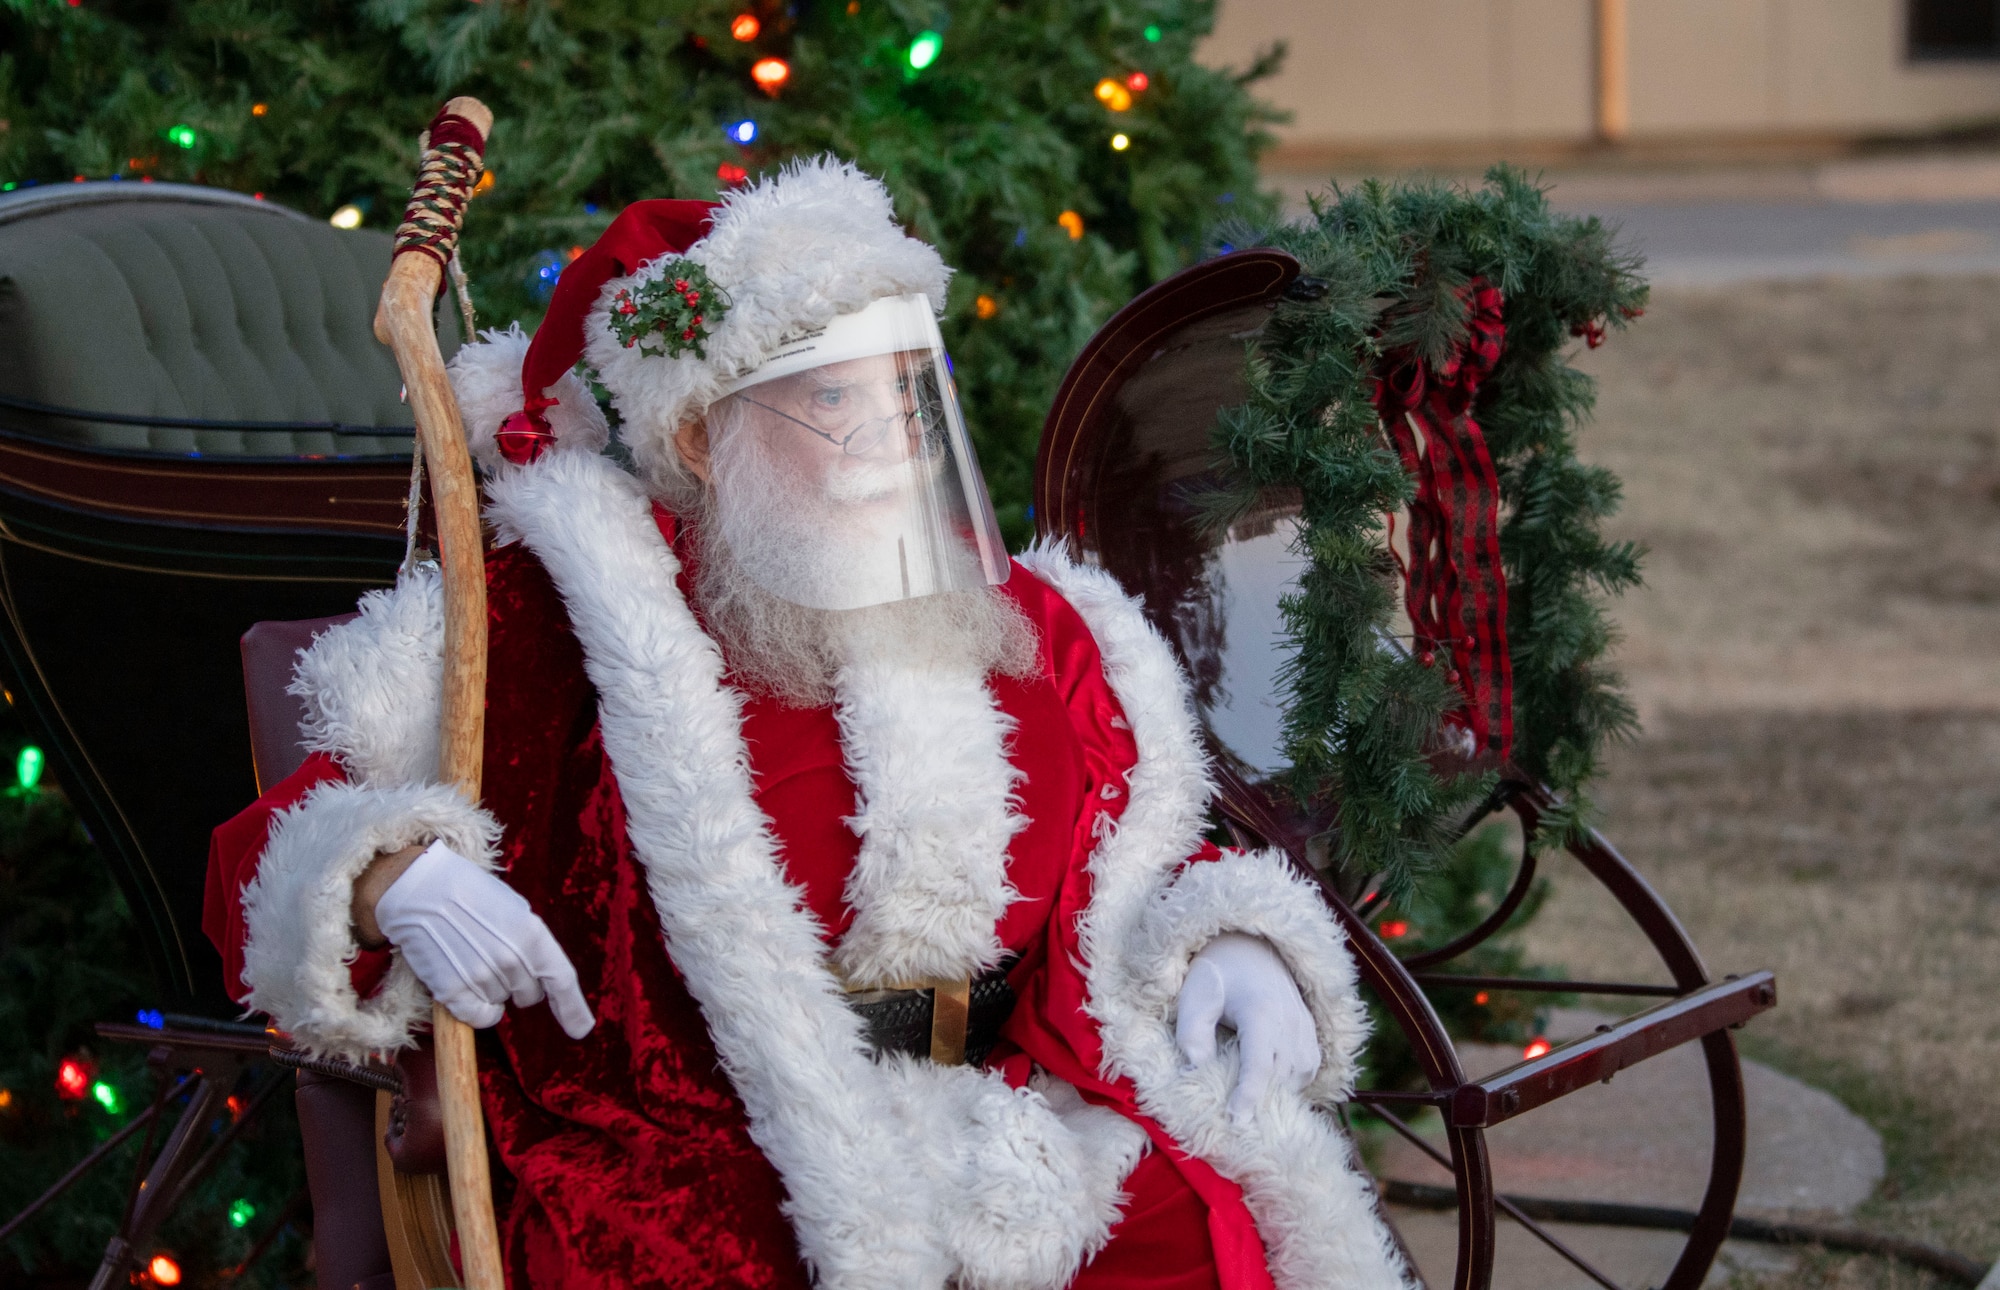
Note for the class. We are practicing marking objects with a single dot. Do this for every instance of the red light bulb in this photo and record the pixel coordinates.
(1137, 82)
(73, 1079)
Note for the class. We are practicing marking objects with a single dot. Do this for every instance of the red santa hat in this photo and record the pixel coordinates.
(677, 299)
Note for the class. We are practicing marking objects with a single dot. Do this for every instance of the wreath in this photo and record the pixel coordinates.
(1437, 301)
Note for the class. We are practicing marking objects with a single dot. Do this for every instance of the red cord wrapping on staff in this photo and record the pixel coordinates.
(1454, 585)
(454, 155)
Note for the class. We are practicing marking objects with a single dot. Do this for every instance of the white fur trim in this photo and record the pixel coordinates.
(296, 911)
(899, 1174)
(1259, 893)
(374, 685)
(1313, 1205)
(927, 747)
(486, 376)
(791, 253)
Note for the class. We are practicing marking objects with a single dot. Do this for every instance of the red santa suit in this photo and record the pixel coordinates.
(716, 863)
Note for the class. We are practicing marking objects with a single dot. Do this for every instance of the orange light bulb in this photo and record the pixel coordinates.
(164, 1270)
(770, 73)
(745, 27)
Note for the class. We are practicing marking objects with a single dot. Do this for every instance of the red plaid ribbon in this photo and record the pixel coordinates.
(1454, 586)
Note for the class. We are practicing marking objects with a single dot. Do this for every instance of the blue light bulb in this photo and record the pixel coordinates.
(744, 131)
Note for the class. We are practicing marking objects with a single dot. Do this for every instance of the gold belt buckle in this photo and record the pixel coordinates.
(951, 1013)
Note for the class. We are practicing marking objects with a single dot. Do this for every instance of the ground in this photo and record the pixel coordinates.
(1815, 467)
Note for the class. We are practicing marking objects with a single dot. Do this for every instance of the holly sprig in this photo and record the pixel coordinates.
(671, 314)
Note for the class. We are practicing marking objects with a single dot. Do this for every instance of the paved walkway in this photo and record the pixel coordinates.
(1925, 214)
(1644, 1139)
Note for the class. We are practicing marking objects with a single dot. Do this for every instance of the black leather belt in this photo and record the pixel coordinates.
(909, 1020)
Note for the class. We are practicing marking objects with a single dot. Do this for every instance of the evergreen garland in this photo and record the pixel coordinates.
(1389, 263)
(997, 150)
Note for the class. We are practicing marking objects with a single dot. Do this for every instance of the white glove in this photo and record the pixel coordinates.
(475, 944)
(1241, 981)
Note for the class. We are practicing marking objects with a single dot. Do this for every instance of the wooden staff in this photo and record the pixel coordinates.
(451, 166)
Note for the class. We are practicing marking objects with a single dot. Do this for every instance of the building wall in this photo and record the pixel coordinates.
(1365, 74)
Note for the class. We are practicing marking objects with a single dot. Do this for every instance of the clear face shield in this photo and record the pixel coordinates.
(842, 472)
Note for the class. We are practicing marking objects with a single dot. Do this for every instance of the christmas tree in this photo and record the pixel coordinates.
(1062, 154)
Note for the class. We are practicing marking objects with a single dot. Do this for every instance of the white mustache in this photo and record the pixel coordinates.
(876, 481)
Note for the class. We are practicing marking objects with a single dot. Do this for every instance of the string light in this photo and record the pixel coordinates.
(744, 131)
(745, 27)
(259, 109)
(348, 216)
(28, 768)
(731, 175)
(106, 1096)
(6, 1098)
(1152, 32)
(151, 1019)
(1137, 82)
(1072, 223)
(1537, 1047)
(1482, 998)
(925, 49)
(182, 136)
(1113, 95)
(985, 306)
(164, 1270)
(1120, 142)
(1395, 931)
(241, 1212)
(72, 1079)
(770, 73)
(485, 183)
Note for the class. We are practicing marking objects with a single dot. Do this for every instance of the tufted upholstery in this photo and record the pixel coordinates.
(190, 304)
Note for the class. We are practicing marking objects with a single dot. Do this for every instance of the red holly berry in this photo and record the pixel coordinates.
(630, 343)
(697, 321)
(680, 284)
(688, 334)
(1427, 658)
(692, 297)
(1452, 676)
(628, 308)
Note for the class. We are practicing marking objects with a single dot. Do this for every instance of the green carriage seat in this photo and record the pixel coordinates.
(198, 432)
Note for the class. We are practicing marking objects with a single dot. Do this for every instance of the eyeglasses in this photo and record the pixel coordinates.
(865, 437)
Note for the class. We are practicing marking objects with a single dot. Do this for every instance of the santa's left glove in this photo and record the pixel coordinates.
(1241, 982)
(476, 945)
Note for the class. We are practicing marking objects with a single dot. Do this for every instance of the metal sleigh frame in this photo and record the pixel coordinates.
(1132, 418)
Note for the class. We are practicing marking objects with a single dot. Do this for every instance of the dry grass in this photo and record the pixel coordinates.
(1817, 471)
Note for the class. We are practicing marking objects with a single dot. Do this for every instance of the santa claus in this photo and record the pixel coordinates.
(839, 908)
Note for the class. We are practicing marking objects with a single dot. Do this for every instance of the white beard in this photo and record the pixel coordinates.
(795, 651)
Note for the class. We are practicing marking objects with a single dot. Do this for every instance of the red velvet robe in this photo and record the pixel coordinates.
(628, 1160)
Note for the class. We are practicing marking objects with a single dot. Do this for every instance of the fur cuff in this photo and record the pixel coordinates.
(296, 910)
(1258, 893)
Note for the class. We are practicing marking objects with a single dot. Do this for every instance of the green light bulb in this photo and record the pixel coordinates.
(924, 50)
(182, 135)
(28, 768)
(241, 1212)
(1152, 32)
(107, 1096)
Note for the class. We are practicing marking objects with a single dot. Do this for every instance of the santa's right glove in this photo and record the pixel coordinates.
(475, 944)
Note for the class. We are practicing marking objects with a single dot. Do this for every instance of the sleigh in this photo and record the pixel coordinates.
(198, 526)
